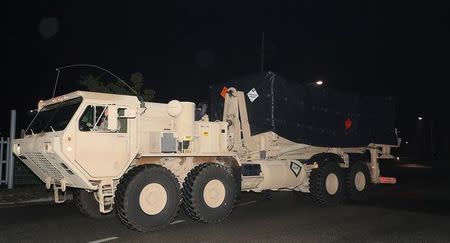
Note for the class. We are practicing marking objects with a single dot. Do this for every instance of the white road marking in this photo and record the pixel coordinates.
(32, 201)
(178, 221)
(418, 166)
(104, 239)
(47, 199)
(247, 203)
(24, 203)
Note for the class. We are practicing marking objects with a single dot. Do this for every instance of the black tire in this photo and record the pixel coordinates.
(128, 208)
(317, 183)
(194, 203)
(88, 205)
(354, 193)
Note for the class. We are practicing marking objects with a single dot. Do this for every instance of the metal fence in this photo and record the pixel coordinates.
(4, 160)
(12, 170)
(23, 175)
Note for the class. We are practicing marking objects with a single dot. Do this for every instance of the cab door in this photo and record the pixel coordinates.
(101, 152)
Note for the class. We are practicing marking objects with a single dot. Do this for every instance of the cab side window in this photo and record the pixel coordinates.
(86, 122)
(94, 118)
(121, 121)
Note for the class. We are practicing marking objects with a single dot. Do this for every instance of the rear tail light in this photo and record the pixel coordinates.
(388, 180)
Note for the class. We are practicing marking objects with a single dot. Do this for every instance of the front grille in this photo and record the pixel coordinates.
(42, 161)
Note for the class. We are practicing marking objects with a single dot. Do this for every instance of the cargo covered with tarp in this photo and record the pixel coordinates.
(309, 114)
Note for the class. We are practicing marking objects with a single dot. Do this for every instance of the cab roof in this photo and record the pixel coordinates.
(95, 96)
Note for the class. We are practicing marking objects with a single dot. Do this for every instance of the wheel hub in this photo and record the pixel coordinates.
(153, 198)
(332, 183)
(214, 193)
(360, 181)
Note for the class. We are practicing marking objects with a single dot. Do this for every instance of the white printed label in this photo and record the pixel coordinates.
(295, 168)
(252, 95)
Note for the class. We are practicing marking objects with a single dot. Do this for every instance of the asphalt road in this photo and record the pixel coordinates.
(417, 209)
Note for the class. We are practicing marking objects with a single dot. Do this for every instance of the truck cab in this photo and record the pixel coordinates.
(80, 138)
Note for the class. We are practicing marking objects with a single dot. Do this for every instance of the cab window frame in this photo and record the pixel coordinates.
(96, 115)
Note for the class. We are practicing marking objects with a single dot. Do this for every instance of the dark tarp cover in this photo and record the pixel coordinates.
(311, 115)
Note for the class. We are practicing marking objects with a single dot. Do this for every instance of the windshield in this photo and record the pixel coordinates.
(54, 117)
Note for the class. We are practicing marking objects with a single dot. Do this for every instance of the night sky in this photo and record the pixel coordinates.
(391, 49)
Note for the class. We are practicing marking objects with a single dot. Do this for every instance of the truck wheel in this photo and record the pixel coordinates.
(326, 183)
(147, 198)
(358, 182)
(209, 193)
(87, 204)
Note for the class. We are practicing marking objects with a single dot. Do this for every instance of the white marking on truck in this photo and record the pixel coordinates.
(104, 239)
(295, 168)
(252, 95)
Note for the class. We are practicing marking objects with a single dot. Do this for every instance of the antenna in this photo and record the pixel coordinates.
(56, 83)
(103, 69)
(262, 52)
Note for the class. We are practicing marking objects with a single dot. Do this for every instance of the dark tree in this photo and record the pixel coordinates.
(97, 84)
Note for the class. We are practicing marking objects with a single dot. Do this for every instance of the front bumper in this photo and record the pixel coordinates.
(42, 155)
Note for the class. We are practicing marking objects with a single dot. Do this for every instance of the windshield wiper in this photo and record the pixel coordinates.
(52, 128)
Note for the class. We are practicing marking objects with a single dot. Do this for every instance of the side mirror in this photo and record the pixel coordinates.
(127, 113)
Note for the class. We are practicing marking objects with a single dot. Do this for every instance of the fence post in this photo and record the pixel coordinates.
(1, 162)
(12, 136)
(7, 161)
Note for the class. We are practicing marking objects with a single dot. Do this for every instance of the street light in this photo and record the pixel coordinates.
(419, 118)
(316, 83)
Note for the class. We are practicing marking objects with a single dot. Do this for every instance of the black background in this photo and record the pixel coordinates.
(397, 49)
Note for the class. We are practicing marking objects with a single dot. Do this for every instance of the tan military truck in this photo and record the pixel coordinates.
(144, 160)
